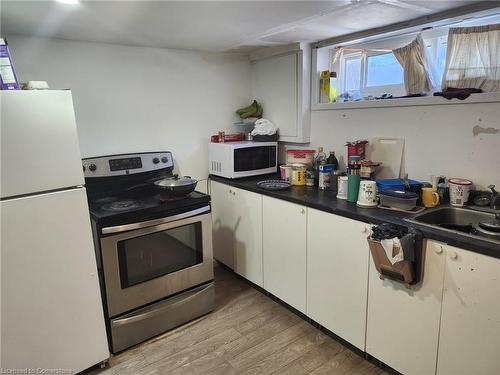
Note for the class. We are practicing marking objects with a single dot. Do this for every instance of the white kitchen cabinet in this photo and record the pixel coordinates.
(284, 249)
(281, 80)
(469, 340)
(223, 219)
(237, 230)
(248, 235)
(403, 324)
(337, 274)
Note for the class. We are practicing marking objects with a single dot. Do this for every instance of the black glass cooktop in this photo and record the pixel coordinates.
(118, 208)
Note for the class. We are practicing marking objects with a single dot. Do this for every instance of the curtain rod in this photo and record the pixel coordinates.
(420, 21)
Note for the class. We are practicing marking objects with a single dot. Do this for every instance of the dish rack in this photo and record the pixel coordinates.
(407, 271)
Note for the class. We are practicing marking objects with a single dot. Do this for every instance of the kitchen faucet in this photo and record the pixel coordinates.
(495, 198)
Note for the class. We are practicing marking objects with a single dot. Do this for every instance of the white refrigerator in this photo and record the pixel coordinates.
(51, 308)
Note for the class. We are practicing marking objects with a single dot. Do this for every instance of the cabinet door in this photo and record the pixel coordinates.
(248, 235)
(403, 324)
(223, 218)
(276, 88)
(469, 341)
(284, 247)
(337, 274)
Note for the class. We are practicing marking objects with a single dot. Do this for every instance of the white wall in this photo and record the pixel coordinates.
(132, 99)
(438, 139)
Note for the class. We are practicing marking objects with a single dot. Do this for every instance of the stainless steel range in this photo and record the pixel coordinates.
(154, 250)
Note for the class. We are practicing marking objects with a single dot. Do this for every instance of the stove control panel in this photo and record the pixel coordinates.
(124, 164)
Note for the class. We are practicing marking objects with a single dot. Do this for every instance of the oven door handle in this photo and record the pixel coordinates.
(155, 310)
(150, 223)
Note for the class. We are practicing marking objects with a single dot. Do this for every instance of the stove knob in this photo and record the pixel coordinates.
(164, 159)
(156, 160)
(92, 167)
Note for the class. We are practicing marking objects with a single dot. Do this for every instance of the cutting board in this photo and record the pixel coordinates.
(389, 151)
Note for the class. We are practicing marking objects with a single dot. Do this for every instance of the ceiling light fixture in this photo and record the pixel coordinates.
(69, 2)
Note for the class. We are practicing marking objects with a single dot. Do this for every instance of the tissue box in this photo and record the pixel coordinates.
(8, 78)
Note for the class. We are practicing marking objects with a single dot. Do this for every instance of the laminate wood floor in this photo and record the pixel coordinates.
(248, 333)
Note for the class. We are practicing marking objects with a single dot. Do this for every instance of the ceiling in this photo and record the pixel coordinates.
(208, 25)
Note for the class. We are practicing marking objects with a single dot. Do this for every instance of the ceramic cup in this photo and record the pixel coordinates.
(430, 197)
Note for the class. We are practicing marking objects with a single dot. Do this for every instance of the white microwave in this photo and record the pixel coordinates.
(242, 159)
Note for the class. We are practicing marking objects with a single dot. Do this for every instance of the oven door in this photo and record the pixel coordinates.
(152, 262)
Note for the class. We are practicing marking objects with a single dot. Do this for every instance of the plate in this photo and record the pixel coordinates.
(274, 185)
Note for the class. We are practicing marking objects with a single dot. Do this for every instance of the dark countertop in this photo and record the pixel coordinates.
(325, 200)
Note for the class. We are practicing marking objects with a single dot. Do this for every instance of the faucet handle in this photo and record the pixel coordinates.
(492, 188)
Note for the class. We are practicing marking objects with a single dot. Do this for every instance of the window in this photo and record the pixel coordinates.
(370, 74)
(383, 70)
(368, 69)
(352, 73)
(436, 48)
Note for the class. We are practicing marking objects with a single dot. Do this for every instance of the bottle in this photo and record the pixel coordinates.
(319, 159)
(333, 160)
(333, 87)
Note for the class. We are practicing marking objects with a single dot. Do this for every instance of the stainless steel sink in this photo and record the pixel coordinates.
(454, 219)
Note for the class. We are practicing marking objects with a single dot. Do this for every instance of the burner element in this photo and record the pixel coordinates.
(103, 200)
(123, 205)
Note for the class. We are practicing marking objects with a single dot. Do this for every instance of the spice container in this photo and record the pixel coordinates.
(298, 174)
(310, 177)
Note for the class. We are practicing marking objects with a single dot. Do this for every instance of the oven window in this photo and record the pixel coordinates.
(160, 253)
(253, 158)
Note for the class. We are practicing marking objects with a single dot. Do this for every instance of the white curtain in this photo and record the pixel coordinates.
(412, 58)
(473, 58)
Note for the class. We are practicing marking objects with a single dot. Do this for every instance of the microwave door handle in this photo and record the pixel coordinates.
(150, 223)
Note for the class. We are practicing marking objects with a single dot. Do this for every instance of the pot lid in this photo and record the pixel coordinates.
(175, 181)
(459, 181)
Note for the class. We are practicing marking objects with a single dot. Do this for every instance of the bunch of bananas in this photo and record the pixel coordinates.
(253, 110)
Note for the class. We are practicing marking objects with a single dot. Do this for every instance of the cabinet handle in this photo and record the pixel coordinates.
(453, 255)
(303, 211)
(439, 250)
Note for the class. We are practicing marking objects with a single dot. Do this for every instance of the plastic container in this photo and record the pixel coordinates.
(397, 184)
(342, 188)
(286, 172)
(400, 199)
(302, 156)
(356, 148)
(459, 191)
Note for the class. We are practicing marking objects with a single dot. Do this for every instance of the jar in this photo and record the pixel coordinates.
(298, 174)
(310, 177)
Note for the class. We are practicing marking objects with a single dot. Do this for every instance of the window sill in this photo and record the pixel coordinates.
(488, 97)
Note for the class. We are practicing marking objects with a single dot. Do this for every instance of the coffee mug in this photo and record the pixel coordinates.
(430, 197)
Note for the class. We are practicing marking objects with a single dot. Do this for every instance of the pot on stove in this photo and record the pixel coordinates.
(176, 185)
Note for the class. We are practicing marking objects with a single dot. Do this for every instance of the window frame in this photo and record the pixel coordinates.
(395, 90)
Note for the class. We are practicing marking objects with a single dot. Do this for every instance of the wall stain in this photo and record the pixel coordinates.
(476, 130)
